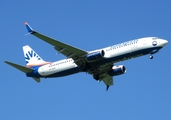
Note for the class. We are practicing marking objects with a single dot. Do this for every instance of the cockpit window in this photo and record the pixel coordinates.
(155, 38)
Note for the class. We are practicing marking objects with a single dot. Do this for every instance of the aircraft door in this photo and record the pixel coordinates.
(144, 42)
(42, 71)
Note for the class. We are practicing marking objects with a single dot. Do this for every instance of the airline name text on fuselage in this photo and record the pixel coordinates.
(125, 44)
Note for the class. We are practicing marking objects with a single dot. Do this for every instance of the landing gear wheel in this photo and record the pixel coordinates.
(151, 57)
(96, 77)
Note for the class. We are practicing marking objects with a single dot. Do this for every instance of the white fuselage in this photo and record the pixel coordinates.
(113, 54)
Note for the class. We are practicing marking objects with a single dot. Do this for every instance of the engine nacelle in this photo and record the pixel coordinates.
(117, 70)
(94, 56)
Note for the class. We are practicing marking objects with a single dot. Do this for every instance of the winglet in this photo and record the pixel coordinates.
(30, 30)
(107, 87)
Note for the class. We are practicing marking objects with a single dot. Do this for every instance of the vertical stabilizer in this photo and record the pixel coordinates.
(32, 58)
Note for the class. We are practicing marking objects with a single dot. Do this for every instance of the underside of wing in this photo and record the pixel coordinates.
(67, 50)
(104, 75)
(108, 80)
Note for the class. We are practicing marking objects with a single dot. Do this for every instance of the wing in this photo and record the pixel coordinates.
(102, 73)
(108, 80)
(69, 51)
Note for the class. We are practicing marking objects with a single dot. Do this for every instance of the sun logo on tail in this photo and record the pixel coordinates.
(31, 55)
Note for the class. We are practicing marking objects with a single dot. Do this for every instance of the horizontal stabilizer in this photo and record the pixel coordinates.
(23, 69)
(36, 79)
(20, 67)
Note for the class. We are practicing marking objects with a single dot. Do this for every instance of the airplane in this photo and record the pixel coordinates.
(99, 63)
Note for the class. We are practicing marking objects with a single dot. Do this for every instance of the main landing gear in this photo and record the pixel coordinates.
(85, 67)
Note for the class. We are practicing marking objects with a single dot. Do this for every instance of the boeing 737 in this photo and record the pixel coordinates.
(98, 63)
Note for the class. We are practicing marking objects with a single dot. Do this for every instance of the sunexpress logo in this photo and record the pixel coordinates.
(154, 43)
(31, 54)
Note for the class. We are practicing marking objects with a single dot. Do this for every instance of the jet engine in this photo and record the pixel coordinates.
(117, 70)
(94, 56)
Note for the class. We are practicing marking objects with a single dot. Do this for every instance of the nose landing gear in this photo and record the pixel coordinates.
(153, 52)
(151, 57)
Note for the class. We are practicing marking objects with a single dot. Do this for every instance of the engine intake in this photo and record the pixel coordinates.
(94, 56)
(117, 70)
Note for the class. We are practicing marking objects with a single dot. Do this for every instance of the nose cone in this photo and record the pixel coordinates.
(163, 42)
